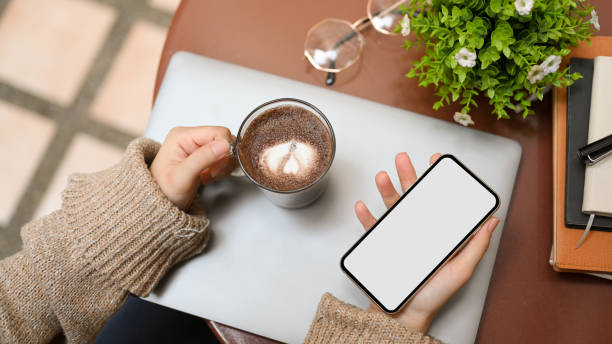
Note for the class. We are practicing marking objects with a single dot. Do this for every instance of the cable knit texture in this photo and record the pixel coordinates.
(338, 322)
(117, 234)
(144, 233)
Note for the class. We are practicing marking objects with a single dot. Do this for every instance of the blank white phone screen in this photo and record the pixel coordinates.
(405, 246)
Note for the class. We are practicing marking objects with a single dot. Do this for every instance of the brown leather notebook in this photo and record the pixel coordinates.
(595, 254)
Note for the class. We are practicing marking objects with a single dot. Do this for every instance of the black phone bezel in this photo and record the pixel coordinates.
(446, 258)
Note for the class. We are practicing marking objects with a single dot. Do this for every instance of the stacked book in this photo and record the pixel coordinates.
(583, 193)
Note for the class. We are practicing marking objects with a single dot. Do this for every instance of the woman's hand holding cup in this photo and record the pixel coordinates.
(191, 156)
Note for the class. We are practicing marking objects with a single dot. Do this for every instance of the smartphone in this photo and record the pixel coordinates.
(430, 222)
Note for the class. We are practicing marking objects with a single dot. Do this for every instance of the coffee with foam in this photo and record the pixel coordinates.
(286, 148)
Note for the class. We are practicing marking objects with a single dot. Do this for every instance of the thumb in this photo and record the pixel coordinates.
(471, 254)
(204, 157)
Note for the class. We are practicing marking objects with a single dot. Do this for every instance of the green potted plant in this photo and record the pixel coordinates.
(508, 50)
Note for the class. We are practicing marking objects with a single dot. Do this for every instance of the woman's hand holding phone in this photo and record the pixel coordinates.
(420, 311)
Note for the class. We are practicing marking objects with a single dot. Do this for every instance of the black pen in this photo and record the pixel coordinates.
(596, 151)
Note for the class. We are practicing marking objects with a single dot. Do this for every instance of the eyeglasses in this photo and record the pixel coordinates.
(333, 45)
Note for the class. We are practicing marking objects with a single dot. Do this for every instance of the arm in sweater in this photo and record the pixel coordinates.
(338, 322)
(116, 233)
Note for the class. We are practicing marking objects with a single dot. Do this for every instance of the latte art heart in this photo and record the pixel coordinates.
(286, 148)
(292, 157)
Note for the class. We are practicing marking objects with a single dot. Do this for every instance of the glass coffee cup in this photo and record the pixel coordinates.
(288, 158)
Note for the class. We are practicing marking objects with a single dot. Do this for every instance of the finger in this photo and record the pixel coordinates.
(203, 158)
(364, 215)
(202, 135)
(472, 253)
(386, 189)
(434, 158)
(221, 169)
(226, 166)
(192, 138)
(205, 177)
(405, 170)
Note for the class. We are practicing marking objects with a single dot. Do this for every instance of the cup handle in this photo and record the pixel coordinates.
(237, 172)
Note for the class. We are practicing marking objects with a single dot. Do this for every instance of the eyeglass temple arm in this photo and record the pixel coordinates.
(331, 76)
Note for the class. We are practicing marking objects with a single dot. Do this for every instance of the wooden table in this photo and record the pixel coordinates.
(526, 301)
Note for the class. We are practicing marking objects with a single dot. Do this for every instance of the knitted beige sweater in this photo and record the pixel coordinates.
(118, 234)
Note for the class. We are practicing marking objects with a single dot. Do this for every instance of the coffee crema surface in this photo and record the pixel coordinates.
(286, 148)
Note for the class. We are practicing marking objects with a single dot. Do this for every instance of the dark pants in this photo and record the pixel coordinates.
(140, 321)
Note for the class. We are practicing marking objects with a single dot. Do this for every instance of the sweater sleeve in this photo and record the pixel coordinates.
(338, 322)
(25, 312)
(124, 228)
(116, 233)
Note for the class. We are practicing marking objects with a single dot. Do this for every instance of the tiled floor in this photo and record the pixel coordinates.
(76, 85)
(131, 77)
(47, 47)
(25, 136)
(78, 158)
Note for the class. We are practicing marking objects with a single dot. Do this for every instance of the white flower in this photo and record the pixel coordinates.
(536, 74)
(463, 119)
(523, 7)
(382, 23)
(322, 57)
(551, 64)
(595, 20)
(466, 58)
(405, 24)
